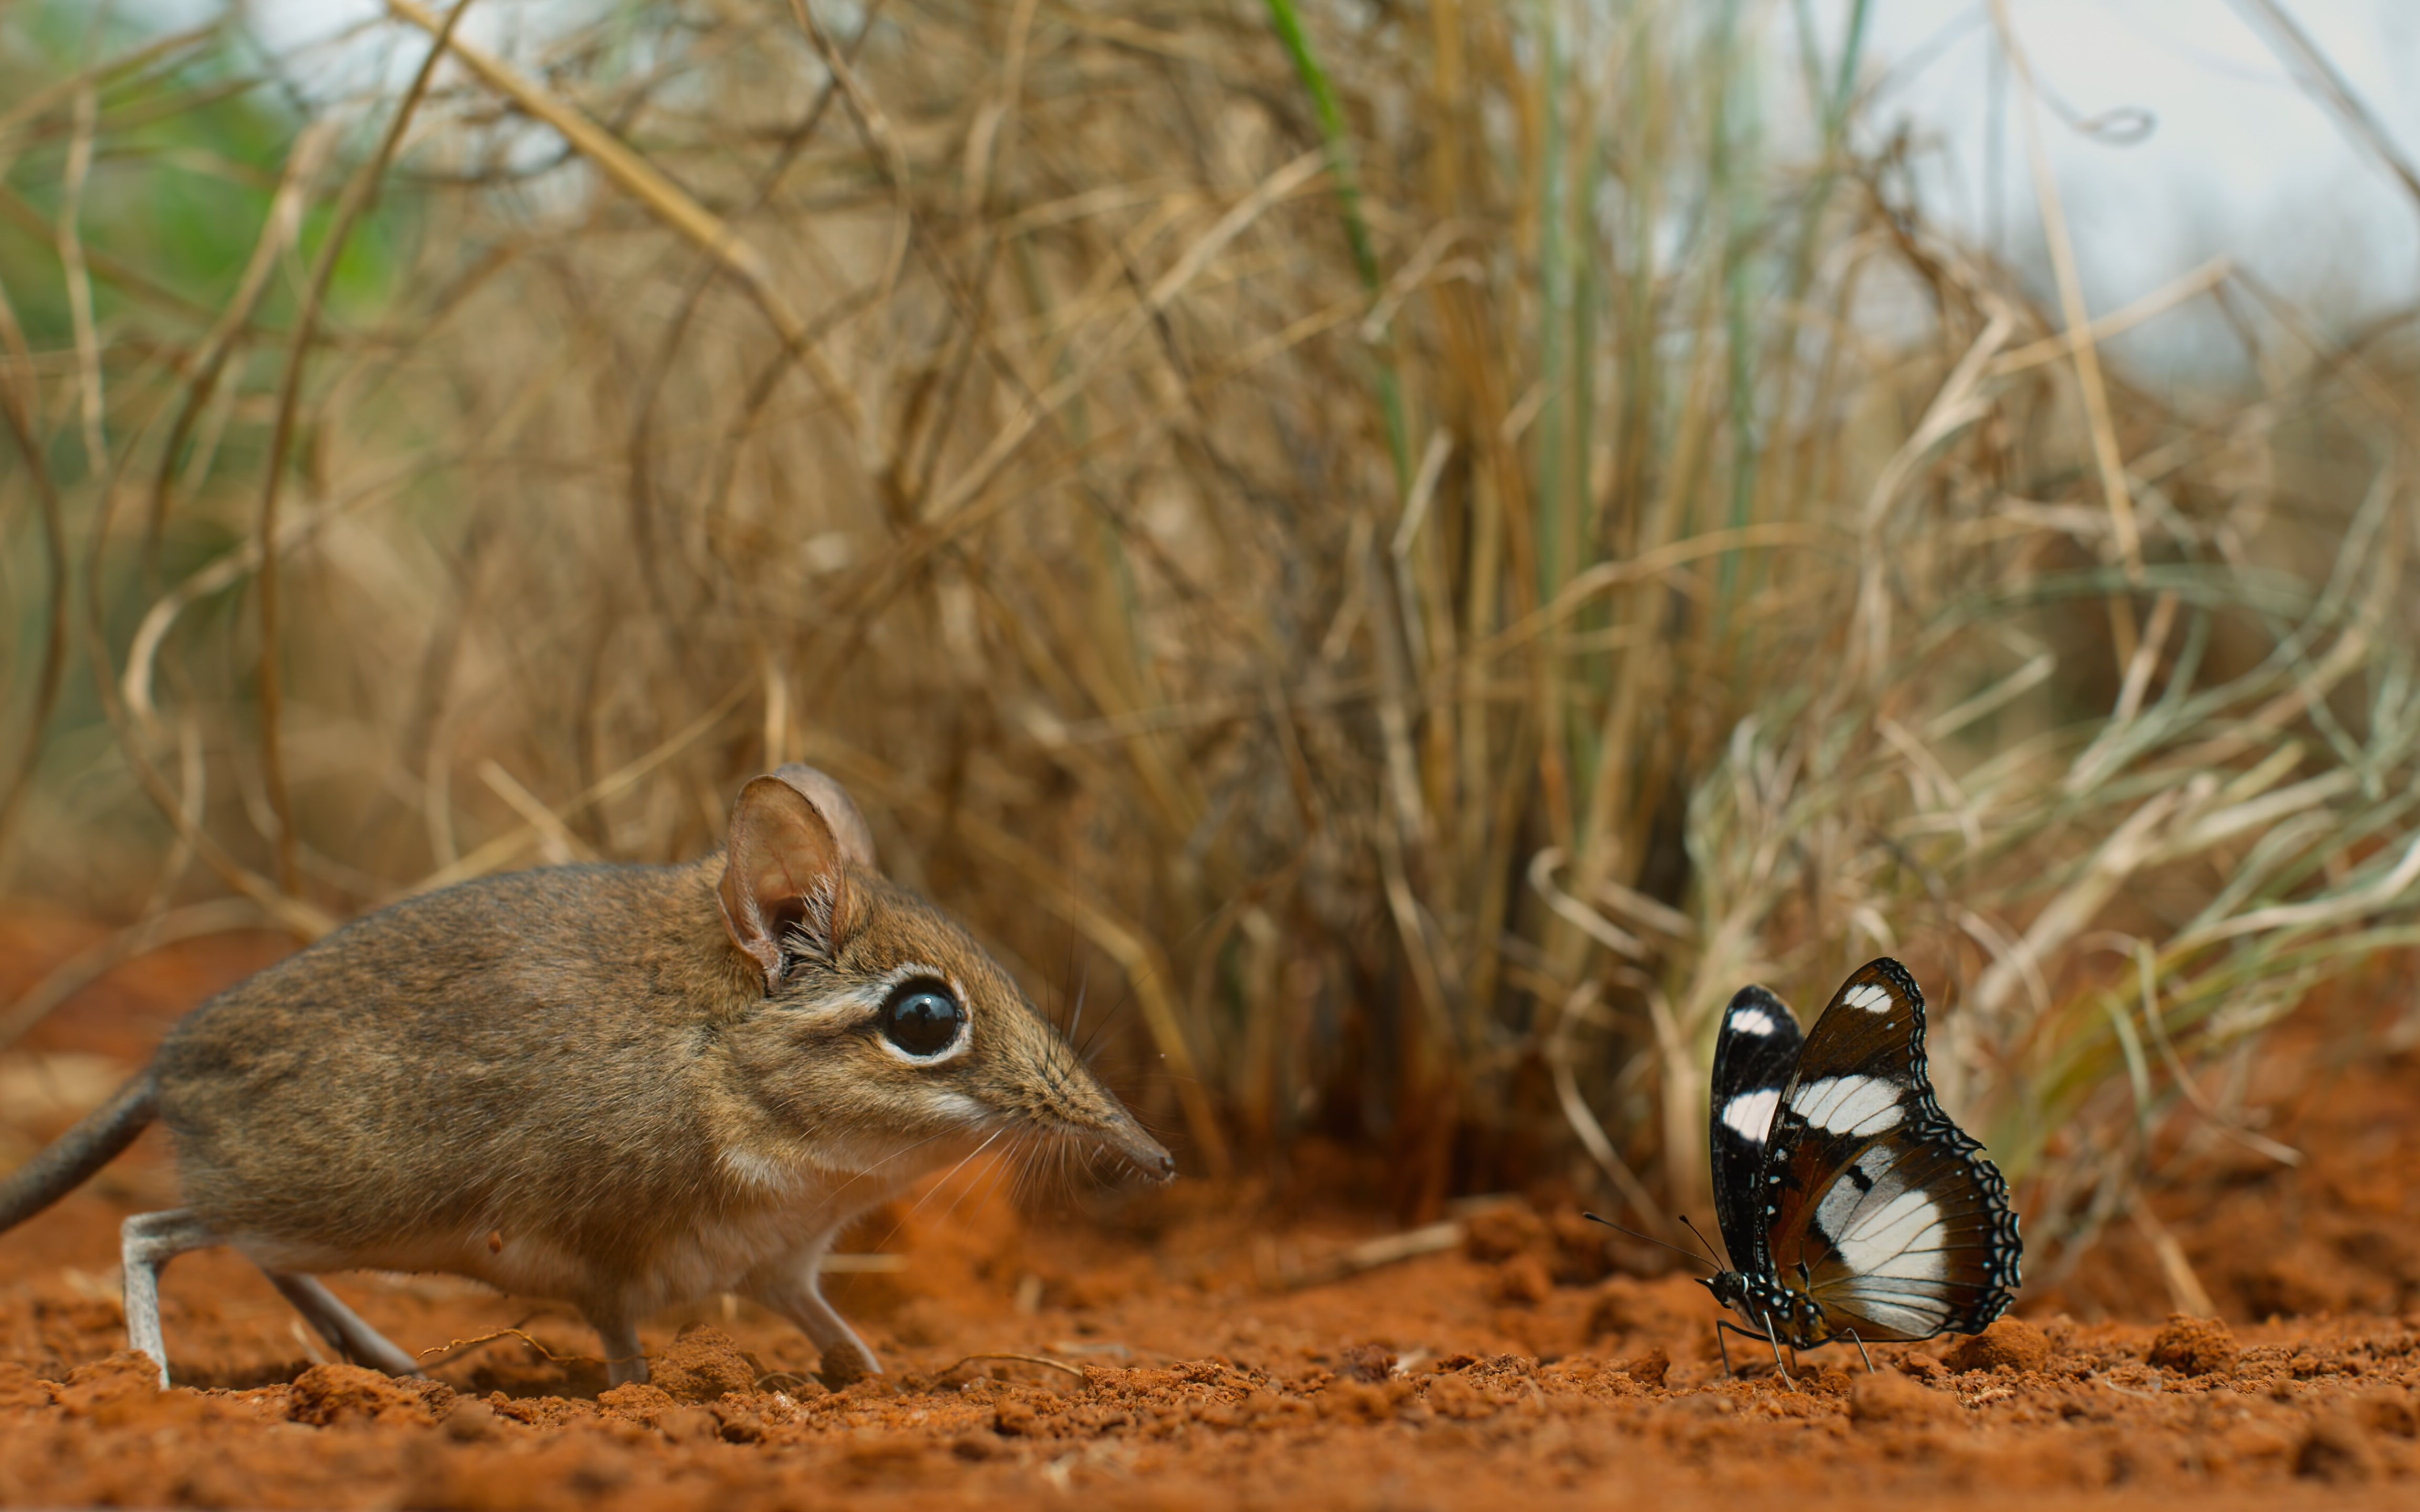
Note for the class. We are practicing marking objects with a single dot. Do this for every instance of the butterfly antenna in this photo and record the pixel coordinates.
(1634, 1233)
(1702, 1238)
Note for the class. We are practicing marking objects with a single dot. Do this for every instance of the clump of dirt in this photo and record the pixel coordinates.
(703, 1365)
(2194, 1346)
(112, 1388)
(2009, 1343)
(643, 1403)
(329, 1394)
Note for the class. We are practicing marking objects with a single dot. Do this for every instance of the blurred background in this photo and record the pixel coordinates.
(1386, 557)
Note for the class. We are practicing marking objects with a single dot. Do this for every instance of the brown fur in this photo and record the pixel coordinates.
(589, 1062)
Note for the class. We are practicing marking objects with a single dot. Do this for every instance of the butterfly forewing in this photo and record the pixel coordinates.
(1754, 1056)
(1874, 1203)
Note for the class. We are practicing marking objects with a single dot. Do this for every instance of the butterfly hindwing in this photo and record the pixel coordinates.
(1876, 1205)
(1929, 1247)
(1754, 1056)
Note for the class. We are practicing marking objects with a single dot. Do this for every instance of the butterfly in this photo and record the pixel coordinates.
(1853, 1207)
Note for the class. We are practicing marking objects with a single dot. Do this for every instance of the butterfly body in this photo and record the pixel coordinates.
(1853, 1206)
(1786, 1317)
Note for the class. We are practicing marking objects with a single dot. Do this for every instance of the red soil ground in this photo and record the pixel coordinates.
(1171, 1354)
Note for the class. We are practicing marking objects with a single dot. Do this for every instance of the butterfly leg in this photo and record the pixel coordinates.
(1851, 1334)
(1767, 1337)
(1777, 1365)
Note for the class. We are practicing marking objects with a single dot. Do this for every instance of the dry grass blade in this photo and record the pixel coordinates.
(1371, 1254)
(660, 194)
(2322, 78)
(2085, 350)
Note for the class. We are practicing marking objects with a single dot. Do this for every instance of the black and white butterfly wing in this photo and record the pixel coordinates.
(1754, 1056)
(1883, 1211)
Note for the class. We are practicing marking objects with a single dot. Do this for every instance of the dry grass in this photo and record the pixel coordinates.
(1417, 548)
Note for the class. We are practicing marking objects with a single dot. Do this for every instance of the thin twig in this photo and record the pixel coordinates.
(1060, 1365)
(359, 195)
(453, 1350)
(645, 183)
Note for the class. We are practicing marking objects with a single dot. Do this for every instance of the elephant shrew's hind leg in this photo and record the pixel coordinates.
(340, 1325)
(148, 1241)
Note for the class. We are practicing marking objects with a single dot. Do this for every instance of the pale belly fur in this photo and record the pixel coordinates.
(780, 1226)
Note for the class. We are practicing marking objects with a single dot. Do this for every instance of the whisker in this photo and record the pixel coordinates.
(1047, 1154)
(1040, 1179)
(1034, 1188)
(834, 1195)
(1019, 1176)
(1076, 1020)
(994, 1176)
(1068, 970)
(936, 1186)
(1086, 1048)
